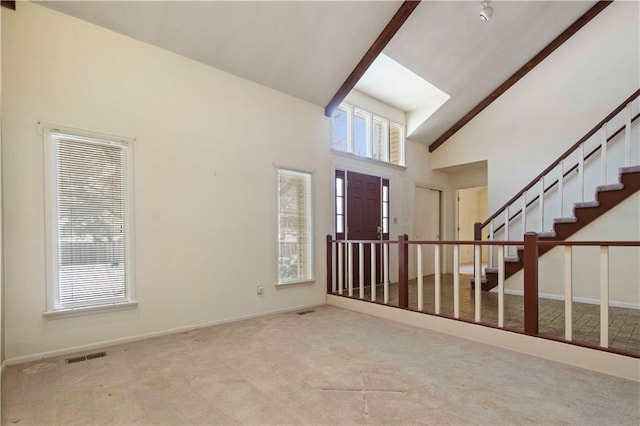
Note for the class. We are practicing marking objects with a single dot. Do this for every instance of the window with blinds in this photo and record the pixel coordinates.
(367, 135)
(88, 229)
(295, 227)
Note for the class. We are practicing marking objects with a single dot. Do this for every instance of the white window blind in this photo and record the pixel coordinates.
(295, 227)
(89, 230)
(396, 148)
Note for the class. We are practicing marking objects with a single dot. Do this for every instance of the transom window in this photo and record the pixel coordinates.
(367, 135)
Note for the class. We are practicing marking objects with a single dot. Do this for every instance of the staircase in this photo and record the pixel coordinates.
(607, 195)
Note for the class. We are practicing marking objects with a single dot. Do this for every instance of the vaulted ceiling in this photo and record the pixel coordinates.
(308, 48)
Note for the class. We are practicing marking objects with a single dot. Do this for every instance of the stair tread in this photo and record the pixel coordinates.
(482, 280)
(490, 270)
(586, 204)
(630, 169)
(514, 259)
(571, 219)
(547, 234)
(610, 187)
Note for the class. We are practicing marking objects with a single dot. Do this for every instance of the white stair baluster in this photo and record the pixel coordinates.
(350, 269)
(541, 201)
(568, 293)
(627, 137)
(506, 225)
(581, 171)
(500, 286)
(478, 282)
(340, 268)
(491, 247)
(438, 277)
(603, 154)
(385, 265)
(373, 272)
(420, 282)
(456, 281)
(604, 296)
(524, 212)
(361, 269)
(561, 187)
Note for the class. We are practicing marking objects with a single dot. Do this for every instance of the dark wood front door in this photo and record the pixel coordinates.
(364, 220)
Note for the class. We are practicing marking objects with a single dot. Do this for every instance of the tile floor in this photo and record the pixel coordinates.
(624, 323)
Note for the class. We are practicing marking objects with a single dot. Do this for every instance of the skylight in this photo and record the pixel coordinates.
(392, 83)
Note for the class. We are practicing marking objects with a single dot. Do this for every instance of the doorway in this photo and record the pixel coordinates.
(365, 218)
(472, 207)
(427, 216)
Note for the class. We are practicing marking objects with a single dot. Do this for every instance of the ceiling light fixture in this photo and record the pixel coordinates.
(486, 12)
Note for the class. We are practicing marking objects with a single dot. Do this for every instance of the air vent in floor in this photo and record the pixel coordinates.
(305, 312)
(86, 357)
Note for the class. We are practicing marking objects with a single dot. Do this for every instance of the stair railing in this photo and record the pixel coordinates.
(537, 186)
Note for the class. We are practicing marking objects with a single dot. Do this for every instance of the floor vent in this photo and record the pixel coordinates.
(86, 357)
(305, 312)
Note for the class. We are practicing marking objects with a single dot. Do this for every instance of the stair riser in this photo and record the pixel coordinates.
(585, 215)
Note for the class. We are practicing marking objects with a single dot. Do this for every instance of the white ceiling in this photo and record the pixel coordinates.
(308, 48)
(448, 45)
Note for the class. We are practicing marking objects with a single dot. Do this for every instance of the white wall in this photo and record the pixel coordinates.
(206, 144)
(553, 106)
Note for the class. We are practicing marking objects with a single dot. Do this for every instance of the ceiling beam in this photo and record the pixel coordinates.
(8, 4)
(557, 42)
(376, 48)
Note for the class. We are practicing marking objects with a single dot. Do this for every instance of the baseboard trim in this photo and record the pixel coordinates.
(594, 360)
(144, 336)
(576, 299)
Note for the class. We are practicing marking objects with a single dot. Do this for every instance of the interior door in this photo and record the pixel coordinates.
(364, 220)
(426, 227)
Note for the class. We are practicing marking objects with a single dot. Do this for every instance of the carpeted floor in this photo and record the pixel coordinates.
(330, 366)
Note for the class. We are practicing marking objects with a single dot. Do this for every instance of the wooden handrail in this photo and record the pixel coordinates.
(563, 156)
(565, 174)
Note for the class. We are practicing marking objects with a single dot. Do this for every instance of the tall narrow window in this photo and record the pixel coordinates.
(295, 227)
(396, 148)
(361, 125)
(89, 224)
(385, 209)
(340, 204)
(341, 128)
(380, 142)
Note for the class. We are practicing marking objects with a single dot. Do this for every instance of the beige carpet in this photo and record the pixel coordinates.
(328, 367)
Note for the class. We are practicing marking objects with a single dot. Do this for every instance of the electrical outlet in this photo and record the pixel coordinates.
(260, 289)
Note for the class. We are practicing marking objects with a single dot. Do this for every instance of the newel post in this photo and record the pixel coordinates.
(403, 271)
(477, 231)
(531, 283)
(329, 264)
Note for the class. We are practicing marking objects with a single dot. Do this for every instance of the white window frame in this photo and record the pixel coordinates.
(50, 134)
(310, 278)
(352, 112)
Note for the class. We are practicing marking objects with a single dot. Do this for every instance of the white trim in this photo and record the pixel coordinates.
(51, 133)
(65, 313)
(367, 159)
(44, 126)
(312, 214)
(576, 299)
(590, 359)
(143, 336)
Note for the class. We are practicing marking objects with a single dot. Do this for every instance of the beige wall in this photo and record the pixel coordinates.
(472, 208)
(206, 144)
